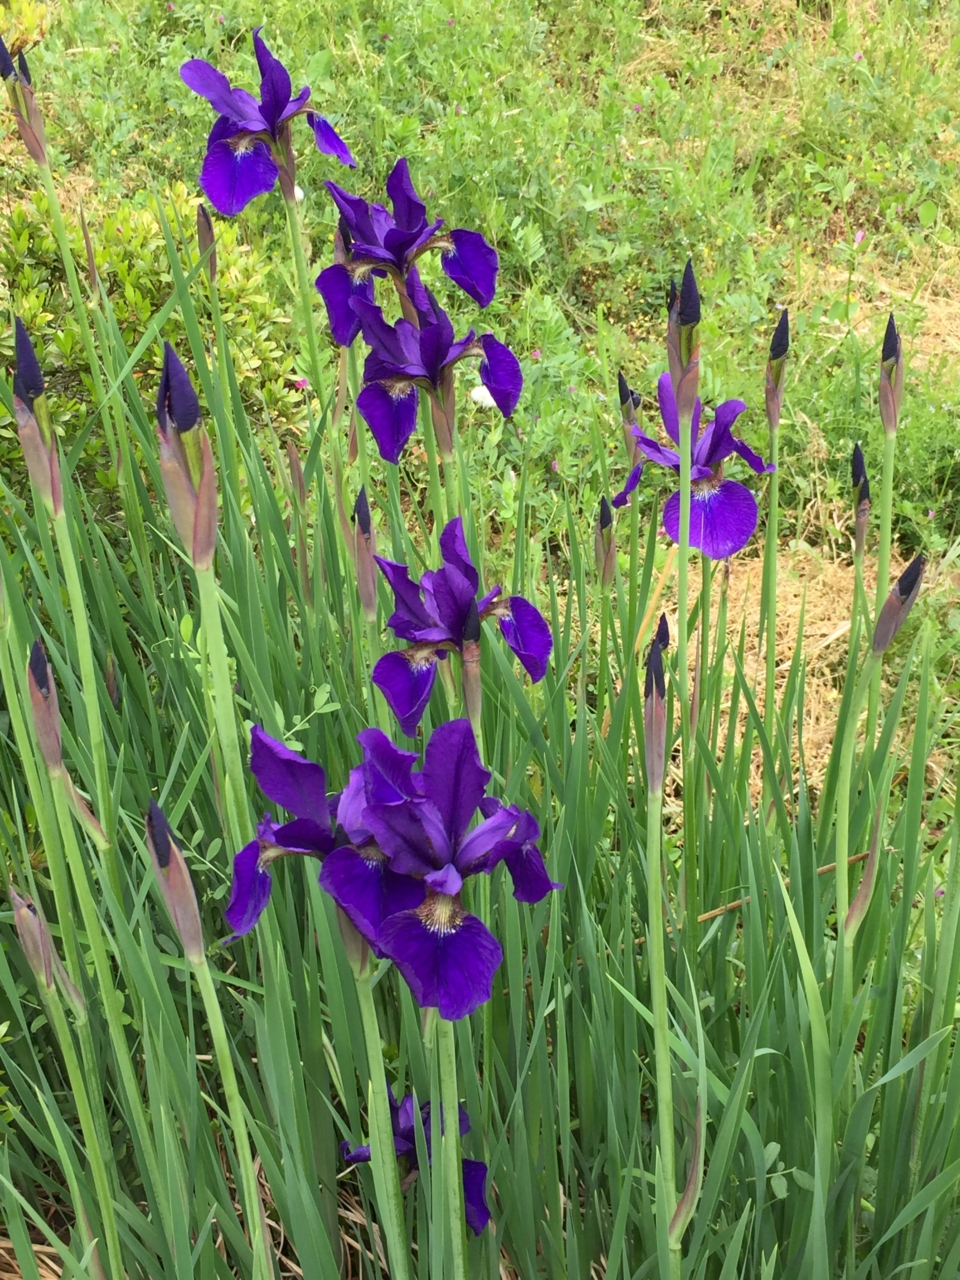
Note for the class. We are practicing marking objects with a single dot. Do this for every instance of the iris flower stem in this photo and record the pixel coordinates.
(91, 1135)
(656, 960)
(883, 564)
(90, 682)
(383, 1160)
(633, 606)
(306, 288)
(689, 902)
(235, 809)
(262, 1264)
(602, 663)
(871, 669)
(450, 1144)
(770, 593)
(703, 707)
(436, 489)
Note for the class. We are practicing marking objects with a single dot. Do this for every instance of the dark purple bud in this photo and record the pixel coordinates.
(175, 884)
(177, 401)
(7, 69)
(24, 69)
(891, 341)
(655, 678)
(345, 235)
(898, 604)
(689, 297)
(861, 485)
(626, 395)
(663, 633)
(45, 707)
(606, 515)
(28, 382)
(207, 241)
(655, 718)
(780, 342)
(604, 549)
(361, 511)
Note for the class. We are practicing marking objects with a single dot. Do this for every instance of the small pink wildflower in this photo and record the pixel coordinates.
(859, 237)
(858, 57)
(637, 108)
(555, 465)
(451, 22)
(535, 353)
(302, 383)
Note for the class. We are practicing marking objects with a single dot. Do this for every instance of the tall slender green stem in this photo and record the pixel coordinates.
(656, 960)
(307, 291)
(386, 1178)
(90, 683)
(235, 806)
(73, 281)
(433, 466)
(689, 905)
(450, 1144)
(703, 707)
(262, 1263)
(770, 592)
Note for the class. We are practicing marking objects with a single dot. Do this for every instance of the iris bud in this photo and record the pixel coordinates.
(186, 462)
(655, 711)
(605, 551)
(365, 548)
(890, 395)
(175, 883)
(861, 498)
(207, 241)
(776, 369)
(898, 604)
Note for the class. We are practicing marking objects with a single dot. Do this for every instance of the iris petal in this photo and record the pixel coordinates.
(288, 778)
(249, 891)
(633, 479)
(329, 142)
(336, 286)
(232, 177)
(473, 265)
(722, 520)
(453, 776)
(475, 1207)
(391, 418)
(500, 373)
(406, 684)
(367, 891)
(448, 969)
(526, 632)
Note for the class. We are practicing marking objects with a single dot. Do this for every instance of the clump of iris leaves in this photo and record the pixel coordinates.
(513, 871)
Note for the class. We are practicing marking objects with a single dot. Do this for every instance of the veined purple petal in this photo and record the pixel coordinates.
(275, 87)
(337, 286)
(454, 550)
(387, 770)
(656, 452)
(500, 373)
(409, 211)
(633, 479)
(249, 891)
(236, 104)
(351, 807)
(436, 342)
(359, 1155)
(412, 836)
(753, 460)
(531, 883)
(406, 683)
(526, 632)
(396, 345)
(454, 777)
(717, 443)
(367, 890)
(391, 418)
(303, 835)
(448, 596)
(722, 520)
(476, 853)
(475, 1207)
(296, 105)
(472, 264)
(289, 779)
(447, 959)
(233, 175)
(329, 142)
(361, 218)
(410, 619)
(668, 407)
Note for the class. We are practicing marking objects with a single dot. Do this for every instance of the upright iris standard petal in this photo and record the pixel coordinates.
(633, 479)
(237, 168)
(454, 778)
(454, 550)
(500, 373)
(391, 415)
(406, 681)
(472, 264)
(722, 518)
(289, 779)
(447, 958)
(526, 632)
(328, 141)
(235, 104)
(338, 287)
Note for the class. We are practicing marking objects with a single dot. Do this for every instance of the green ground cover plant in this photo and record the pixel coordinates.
(702, 1021)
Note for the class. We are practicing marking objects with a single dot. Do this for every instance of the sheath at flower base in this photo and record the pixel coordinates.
(447, 956)
(403, 1120)
(434, 617)
(249, 145)
(407, 356)
(326, 827)
(373, 240)
(723, 513)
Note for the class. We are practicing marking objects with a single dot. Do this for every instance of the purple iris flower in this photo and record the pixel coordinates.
(326, 827)
(438, 615)
(402, 1116)
(405, 357)
(447, 956)
(249, 145)
(723, 513)
(373, 240)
